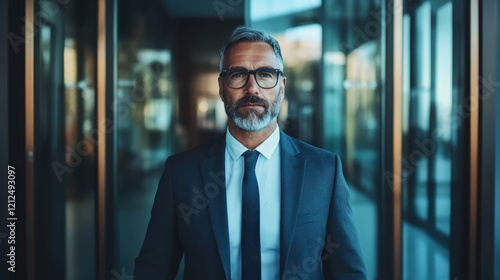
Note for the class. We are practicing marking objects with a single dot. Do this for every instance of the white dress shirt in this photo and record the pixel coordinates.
(268, 174)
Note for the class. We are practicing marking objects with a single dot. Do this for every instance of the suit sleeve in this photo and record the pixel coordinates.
(341, 253)
(161, 251)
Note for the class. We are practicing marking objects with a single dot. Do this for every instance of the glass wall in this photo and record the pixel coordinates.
(430, 135)
(81, 136)
(361, 139)
(351, 123)
(302, 53)
(144, 110)
(66, 139)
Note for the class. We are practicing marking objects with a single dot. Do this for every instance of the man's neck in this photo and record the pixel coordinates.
(252, 139)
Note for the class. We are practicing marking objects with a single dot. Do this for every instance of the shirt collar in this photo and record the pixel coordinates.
(266, 148)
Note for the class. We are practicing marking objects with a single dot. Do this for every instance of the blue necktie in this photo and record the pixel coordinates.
(250, 220)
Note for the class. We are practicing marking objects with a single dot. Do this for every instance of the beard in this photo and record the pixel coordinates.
(251, 119)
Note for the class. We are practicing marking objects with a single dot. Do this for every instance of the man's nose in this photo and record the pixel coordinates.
(252, 87)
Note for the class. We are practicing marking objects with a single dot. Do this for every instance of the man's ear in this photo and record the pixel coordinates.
(283, 84)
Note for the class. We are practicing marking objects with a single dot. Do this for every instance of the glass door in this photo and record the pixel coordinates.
(65, 140)
(144, 111)
(432, 127)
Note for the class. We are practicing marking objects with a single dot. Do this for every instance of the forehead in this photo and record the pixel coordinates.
(248, 54)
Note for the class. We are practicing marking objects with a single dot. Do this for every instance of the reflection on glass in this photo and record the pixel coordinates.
(276, 8)
(362, 139)
(443, 78)
(362, 113)
(301, 49)
(423, 257)
(157, 114)
(406, 74)
(421, 108)
(81, 143)
(45, 50)
(211, 116)
(144, 106)
(427, 142)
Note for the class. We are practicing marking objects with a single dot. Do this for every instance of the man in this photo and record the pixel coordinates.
(256, 204)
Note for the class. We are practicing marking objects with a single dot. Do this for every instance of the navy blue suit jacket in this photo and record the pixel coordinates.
(318, 238)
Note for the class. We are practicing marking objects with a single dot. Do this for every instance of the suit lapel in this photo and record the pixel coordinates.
(213, 172)
(292, 173)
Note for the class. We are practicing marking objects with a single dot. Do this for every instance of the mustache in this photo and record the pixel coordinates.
(251, 99)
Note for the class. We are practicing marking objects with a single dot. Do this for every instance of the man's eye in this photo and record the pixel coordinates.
(265, 74)
(237, 75)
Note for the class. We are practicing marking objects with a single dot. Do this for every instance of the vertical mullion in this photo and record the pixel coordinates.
(488, 187)
(397, 131)
(431, 185)
(101, 149)
(474, 135)
(106, 83)
(30, 137)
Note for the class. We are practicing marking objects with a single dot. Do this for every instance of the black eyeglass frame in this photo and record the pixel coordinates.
(222, 74)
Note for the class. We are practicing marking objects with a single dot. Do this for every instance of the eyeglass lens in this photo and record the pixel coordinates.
(238, 78)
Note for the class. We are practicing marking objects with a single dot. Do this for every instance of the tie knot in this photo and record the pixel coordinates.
(251, 158)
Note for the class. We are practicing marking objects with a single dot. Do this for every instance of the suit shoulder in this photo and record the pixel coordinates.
(195, 154)
(312, 151)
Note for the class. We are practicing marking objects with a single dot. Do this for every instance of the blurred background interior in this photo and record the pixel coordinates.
(403, 91)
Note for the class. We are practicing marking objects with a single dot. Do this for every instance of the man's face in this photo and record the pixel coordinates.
(251, 107)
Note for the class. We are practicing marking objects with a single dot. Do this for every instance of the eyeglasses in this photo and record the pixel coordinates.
(237, 78)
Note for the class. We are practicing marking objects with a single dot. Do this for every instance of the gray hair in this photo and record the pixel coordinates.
(248, 34)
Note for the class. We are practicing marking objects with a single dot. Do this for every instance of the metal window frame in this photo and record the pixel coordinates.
(30, 137)
(106, 88)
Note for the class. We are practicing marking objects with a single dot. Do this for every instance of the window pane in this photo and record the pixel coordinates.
(427, 142)
(443, 78)
(420, 102)
(144, 108)
(80, 136)
(263, 9)
(362, 140)
(301, 48)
